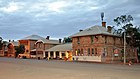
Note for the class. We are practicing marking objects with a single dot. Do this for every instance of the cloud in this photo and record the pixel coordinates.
(59, 18)
(57, 6)
(11, 7)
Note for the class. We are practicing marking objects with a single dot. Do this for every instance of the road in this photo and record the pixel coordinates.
(11, 68)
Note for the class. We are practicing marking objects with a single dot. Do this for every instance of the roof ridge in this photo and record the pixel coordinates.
(94, 30)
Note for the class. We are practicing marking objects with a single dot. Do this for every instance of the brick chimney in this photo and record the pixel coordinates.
(104, 24)
(80, 30)
(60, 40)
(109, 29)
(9, 40)
(48, 37)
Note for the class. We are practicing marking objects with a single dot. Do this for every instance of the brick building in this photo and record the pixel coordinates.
(29, 43)
(62, 51)
(100, 45)
(11, 48)
(44, 44)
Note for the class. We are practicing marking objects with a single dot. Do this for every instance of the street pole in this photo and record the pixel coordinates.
(124, 48)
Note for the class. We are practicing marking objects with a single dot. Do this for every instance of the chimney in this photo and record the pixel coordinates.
(48, 37)
(9, 40)
(109, 29)
(60, 40)
(80, 30)
(104, 24)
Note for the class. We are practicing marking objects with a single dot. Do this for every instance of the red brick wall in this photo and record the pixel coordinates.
(101, 44)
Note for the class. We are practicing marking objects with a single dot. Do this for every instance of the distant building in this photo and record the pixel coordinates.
(1, 53)
(35, 46)
(44, 44)
(8, 48)
(3, 48)
(29, 43)
(11, 48)
(100, 45)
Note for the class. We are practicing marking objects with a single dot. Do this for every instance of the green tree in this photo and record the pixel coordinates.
(124, 21)
(19, 50)
(67, 40)
(125, 25)
(1, 43)
(134, 36)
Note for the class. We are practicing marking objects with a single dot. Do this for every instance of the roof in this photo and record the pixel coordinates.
(48, 41)
(15, 43)
(32, 37)
(6, 43)
(94, 30)
(62, 47)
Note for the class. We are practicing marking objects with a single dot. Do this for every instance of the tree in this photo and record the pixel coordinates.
(134, 36)
(124, 21)
(1, 43)
(19, 50)
(67, 40)
(125, 25)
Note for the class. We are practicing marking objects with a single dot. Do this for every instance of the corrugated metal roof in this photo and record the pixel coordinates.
(62, 47)
(94, 30)
(32, 37)
(15, 43)
(48, 41)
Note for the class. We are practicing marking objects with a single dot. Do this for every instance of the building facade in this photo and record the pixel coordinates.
(62, 51)
(44, 44)
(100, 45)
(29, 43)
(11, 48)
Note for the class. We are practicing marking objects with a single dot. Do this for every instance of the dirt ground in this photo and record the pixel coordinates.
(11, 68)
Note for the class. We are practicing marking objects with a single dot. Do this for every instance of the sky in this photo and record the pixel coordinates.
(60, 18)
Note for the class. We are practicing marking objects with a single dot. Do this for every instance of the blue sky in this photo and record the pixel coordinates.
(60, 18)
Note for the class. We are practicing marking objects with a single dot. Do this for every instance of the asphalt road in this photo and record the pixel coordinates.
(11, 68)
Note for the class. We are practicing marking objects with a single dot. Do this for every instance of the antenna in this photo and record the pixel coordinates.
(102, 16)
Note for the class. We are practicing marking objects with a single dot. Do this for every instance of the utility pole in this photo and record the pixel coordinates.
(124, 48)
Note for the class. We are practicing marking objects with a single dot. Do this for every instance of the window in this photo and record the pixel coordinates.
(40, 45)
(96, 38)
(92, 51)
(88, 51)
(105, 39)
(78, 52)
(82, 52)
(27, 50)
(78, 40)
(33, 53)
(92, 39)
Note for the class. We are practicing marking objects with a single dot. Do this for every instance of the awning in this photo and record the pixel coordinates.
(62, 47)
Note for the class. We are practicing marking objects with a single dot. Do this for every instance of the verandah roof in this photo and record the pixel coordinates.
(62, 47)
